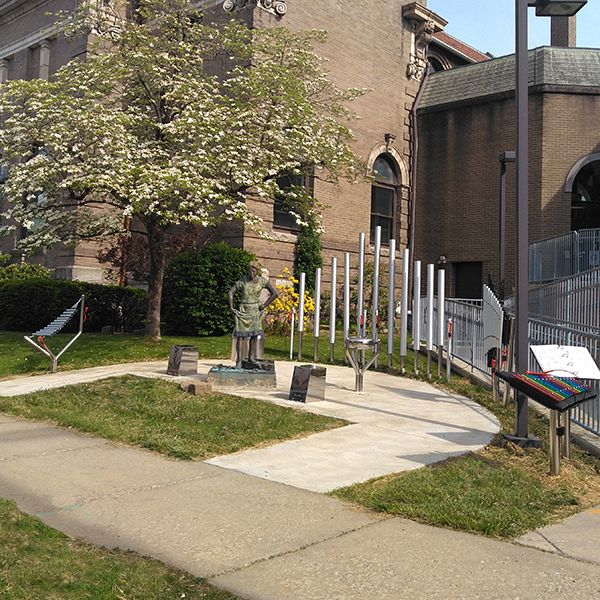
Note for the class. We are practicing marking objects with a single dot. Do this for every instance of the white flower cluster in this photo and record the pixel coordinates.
(156, 125)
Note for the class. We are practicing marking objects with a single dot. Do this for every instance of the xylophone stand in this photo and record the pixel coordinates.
(559, 432)
(566, 439)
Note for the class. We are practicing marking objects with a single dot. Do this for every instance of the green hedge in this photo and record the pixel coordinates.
(33, 303)
(196, 286)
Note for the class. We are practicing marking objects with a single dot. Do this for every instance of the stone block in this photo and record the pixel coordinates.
(183, 361)
(230, 377)
(196, 388)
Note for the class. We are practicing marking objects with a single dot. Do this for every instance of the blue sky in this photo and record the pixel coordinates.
(489, 25)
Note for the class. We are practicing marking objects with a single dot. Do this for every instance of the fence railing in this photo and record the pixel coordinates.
(541, 332)
(572, 302)
(564, 255)
(468, 346)
(467, 330)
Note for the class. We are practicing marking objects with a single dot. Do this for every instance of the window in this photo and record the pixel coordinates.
(384, 192)
(585, 201)
(435, 64)
(282, 219)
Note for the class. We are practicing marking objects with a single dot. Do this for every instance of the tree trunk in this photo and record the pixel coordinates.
(156, 237)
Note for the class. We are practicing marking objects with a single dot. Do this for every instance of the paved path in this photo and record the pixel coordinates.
(258, 538)
(399, 424)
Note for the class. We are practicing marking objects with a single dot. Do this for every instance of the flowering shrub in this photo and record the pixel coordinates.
(278, 315)
(23, 271)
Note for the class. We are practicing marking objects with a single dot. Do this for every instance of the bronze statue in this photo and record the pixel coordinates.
(248, 317)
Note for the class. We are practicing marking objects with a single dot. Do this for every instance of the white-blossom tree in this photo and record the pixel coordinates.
(168, 121)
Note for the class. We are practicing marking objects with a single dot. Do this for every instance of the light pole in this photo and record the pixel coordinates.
(543, 8)
(505, 157)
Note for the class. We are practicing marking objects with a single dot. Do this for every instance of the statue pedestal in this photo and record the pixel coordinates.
(249, 376)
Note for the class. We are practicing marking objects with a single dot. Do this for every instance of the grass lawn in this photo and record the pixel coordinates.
(157, 415)
(37, 562)
(17, 357)
(501, 491)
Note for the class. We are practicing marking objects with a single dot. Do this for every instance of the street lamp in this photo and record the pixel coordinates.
(546, 8)
(556, 8)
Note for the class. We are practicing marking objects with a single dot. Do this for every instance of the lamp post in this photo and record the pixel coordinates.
(505, 157)
(543, 8)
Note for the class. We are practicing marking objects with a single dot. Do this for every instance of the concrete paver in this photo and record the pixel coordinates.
(576, 537)
(199, 517)
(401, 424)
(26, 385)
(398, 559)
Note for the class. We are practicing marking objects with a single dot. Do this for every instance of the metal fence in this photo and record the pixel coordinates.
(564, 255)
(468, 346)
(573, 302)
(467, 330)
(541, 332)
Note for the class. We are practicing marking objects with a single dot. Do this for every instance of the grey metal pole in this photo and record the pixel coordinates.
(449, 351)
(375, 290)
(333, 308)
(391, 300)
(565, 446)
(430, 291)
(504, 158)
(346, 295)
(522, 94)
(404, 308)
(317, 328)
(416, 316)
(554, 443)
(301, 313)
(441, 317)
(361, 283)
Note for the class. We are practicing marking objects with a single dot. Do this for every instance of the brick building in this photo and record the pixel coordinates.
(466, 120)
(371, 44)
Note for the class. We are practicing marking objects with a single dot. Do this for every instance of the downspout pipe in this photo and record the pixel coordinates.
(413, 164)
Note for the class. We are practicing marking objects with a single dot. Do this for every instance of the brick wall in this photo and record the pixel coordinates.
(458, 184)
(368, 47)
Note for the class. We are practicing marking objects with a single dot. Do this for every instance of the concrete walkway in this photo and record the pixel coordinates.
(399, 424)
(263, 539)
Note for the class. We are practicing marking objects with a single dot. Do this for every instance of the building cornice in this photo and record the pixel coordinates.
(13, 9)
(33, 39)
(275, 7)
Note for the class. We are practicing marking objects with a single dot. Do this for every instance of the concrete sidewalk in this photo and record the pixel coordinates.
(262, 539)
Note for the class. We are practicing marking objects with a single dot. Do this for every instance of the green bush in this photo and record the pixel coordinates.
(307, 255)
(23, 271)
(196, 286)
(30, 304)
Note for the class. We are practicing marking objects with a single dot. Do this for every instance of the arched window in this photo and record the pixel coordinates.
(585, 197)
(435, 64)
(384, 192)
